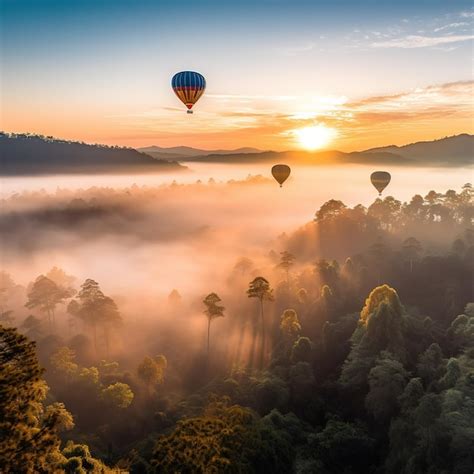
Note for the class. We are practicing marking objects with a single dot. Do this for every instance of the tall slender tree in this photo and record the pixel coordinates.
(411, 250)
(259, 288)
(213, 310)
(45, 295)
(96, 310)
(287, 260)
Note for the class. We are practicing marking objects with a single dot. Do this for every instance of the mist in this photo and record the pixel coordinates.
(157, 246)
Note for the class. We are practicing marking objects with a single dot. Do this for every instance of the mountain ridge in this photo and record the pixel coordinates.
(456, 150)
(29, 154)
(186, 151)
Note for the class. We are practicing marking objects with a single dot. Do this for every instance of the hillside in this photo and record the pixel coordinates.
(24, 154)
(449, 151)
(304, 157)
(183, 152)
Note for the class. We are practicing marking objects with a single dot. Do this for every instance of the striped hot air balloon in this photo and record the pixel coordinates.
(189, 87)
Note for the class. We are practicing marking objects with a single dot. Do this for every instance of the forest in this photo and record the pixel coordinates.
(32, 154)
(343, 346)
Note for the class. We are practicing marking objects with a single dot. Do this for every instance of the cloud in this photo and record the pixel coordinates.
(264, 121)
(451, 25)
(418, 41)
(298, 49)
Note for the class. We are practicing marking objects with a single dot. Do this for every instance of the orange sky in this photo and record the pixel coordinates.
(265, 122)
(351, 77)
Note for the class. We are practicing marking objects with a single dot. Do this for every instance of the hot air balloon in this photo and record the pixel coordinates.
(189, 87)
(380, 180)
(281, 173)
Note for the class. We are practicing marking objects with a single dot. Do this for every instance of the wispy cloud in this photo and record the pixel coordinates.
(267, 121)
(417, 41)
(451, 26)
(298, 49)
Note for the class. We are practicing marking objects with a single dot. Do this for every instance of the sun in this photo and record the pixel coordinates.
(315, 137)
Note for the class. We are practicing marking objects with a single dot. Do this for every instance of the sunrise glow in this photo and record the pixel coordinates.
(315, 137)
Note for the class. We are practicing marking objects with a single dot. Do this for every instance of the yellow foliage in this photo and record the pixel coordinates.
(381, 294)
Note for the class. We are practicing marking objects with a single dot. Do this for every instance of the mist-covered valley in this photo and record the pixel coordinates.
(335, 305)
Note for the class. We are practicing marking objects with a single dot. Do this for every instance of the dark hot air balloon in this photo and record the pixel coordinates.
(281, 173)
(189, 87)
(380, 180)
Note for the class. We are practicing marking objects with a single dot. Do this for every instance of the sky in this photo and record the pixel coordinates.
(280, 74)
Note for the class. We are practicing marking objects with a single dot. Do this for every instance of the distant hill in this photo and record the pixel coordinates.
(449, 151)
(304, 157)
(181, 153)
(24, 154)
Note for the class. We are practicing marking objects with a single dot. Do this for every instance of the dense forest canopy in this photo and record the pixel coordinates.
(346, 345)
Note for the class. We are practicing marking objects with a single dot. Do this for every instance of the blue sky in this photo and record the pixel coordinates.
(67, 65)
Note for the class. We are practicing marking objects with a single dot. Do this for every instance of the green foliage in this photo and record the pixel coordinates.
(387, 381)
(379, 295)
(302, 383)
(330, 210)
(213, 309)
(301, 350)
(152, 371)
(453, 373)
(411, 396)
(63, 419)
(77, 459)
(89, 376)
(95, 309)
(118, 395)
(33, 327)
(434, 432)
(28, 435)
(62, 361)
(430, 365)
(382, 327)
(259, 288)
(290, 326)
(287, 260)
(344, 447)
(225, 438)
(462, 329)
(218, 441)
(270, 392)
(45, 295)
(302, 295)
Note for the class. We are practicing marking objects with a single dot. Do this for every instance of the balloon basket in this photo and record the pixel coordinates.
(189, 112)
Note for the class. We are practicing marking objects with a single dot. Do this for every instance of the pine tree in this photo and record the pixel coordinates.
(46, 295)
(27, 432)
(259, 288)
(213, 310)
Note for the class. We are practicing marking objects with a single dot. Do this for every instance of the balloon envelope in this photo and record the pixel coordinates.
(380, 180)
(281, 173)
(189, 87)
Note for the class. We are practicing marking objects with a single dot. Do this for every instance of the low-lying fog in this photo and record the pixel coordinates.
(188, 233)
(141, 236)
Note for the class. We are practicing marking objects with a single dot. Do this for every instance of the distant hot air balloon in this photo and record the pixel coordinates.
(380, 180)
(189, 87)
(281, 173)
